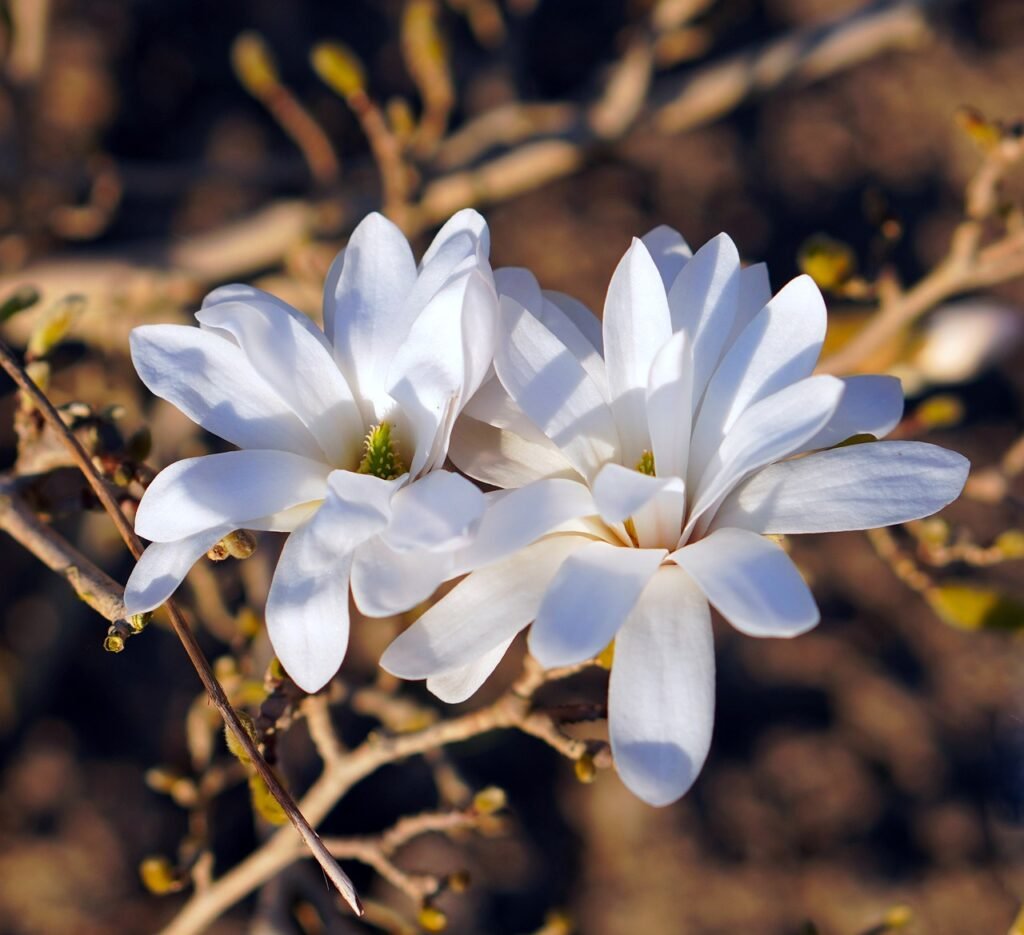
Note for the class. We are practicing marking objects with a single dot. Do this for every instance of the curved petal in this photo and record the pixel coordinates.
(212, 382)
(358, 505)
(386, 582)
(307, 608)
(465, 224)
(439, 512)
(586, 322)
(755, 293)
(636, 325)
(621, 492)
(491, 606)
(592, 594)
(703, 301)
(871, 405)
(859, 487)
(669, 251)
(779, 347)
(551, 387)
(229, 488)
(365, 312)
(768, 431)
(751, 581)
(163, 566)
(505, 459)
(670, 405)
(239, 292)
(300, 370)
(456, 686)
(661, 695)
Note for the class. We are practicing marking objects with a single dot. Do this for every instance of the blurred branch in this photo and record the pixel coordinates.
(512, 711)
(181, 629)
(94, 586)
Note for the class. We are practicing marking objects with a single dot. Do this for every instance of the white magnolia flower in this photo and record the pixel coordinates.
(655, 476)
(341, 432)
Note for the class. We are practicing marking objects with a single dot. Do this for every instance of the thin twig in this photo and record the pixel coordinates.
(182, 630)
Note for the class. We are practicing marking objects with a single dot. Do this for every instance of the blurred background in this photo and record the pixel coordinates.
(867, 776)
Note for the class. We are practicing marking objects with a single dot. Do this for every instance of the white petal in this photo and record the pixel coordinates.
(768, 431)
(359, 505)
(211, 380)
(163, 567)
(703, 301)
(466, 224)
(551, 387)
(486, 609)
(238, 292)
(620, 492)
(669, 252)
(871, 405)
(365, 311)
(299, 368)
(505, 459)
(636, 326)
(386, 582)
(751, 581)
(670, 405)
(588, 324)
(589, 598)
(229, 488)
(456, 686)
(859, 487)
(515, 518)
(661, 696)
(439, 511)
(755, 293)
(307, 608)
(779, 347)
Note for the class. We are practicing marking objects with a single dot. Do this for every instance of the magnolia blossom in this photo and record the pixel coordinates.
(341, 432)
(653, 475)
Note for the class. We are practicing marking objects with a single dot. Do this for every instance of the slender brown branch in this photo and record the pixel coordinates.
(182, 630)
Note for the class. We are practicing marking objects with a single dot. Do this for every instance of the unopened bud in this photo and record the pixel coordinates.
(240, 544)
(264, 803)
(898, 917)
(339, 68)
(940, 412)
(458, 882)
(1011, 543)
(432, 919)
(585, 769)
(490, 800)
(139, 622)
(934, 532)
(39, 373)
(234, 744)
(55, 325)
(829, 262)
(114, 642)
(254, 64)
(984, 133)
(158, 876)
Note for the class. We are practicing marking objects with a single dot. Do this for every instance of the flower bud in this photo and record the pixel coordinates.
(490, 800)
(159, 876)
(339, 68)
(264, 803)
(829, 262)
(432, 919)
(55, 325)
(585, 769)
(254, 64)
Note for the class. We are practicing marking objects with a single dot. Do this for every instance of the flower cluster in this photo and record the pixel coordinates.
(645, 465)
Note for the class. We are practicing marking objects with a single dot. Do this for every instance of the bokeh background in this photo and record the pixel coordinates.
(876, 762)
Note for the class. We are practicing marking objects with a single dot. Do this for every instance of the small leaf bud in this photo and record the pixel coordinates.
(158, 876)
(432, 919)
(489, 800)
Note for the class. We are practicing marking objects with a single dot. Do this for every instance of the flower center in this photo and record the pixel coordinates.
(646, 464)
(380, 457)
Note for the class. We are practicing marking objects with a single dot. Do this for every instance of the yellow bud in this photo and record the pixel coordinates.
(829, 262)
(1011, 543)
(139, 622)
(585, 769)
(55, 325)
(934, 532)
(339, 68)
(490, 800)
(254, 64)
(557, 922)
(968, 607)
(421, 38)
(239, 544)
(248, 623)
(984, 133)
(897, 917)
(458, 882)
(158, 876)
(234, 744)
(39, 373)
(114, 642)
(432, 919)
(400, 116)
(941, 411)
(264, 803)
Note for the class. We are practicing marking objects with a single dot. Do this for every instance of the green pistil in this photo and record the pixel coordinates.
(646, 464)
(379, 456)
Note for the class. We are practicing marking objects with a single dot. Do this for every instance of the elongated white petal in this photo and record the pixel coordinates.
(464, 225)
(239, 292)
(703, 301)
(636, 325)
(365, 312)
(768, 431)
(670, 405)
(755, 293)
(588, 600)
(359, 506)
(438, 511)
(515, 518)
(871, 405)
(211, 380)
(551, 387)
(620, 492)
(386, 582)
(751, 581)
(779, 347)
(163, 567)
(661, 696)
(307, 608)
(583, 318)
(300, 370)
(459, 684)
(229, 488)
(460, 246)
(486, 609)
(505, 459)
(669, 252)
(859, 487)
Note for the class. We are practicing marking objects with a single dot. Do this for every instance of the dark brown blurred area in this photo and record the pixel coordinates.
(876, 762)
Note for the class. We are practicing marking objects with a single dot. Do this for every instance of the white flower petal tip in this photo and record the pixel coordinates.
(661, 699)
(621, 492)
